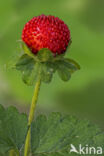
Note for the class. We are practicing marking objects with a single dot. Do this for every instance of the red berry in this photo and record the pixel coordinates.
(46, 32)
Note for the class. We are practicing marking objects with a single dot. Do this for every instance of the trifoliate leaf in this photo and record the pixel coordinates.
(57, 134)
(13, 128)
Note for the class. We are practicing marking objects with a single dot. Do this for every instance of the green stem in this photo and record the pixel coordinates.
(31, 117)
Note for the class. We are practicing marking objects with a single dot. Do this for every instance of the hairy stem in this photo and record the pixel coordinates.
(31, 117)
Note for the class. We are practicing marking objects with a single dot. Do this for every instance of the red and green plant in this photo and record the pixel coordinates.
(45, 41)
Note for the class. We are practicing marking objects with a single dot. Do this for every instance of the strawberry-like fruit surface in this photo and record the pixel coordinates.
(46, 32)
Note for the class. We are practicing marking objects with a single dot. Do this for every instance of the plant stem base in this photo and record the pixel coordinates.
(27, 149)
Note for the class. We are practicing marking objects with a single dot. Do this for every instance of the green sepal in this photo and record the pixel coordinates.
(26, 65)
(71, 64)
(25, 62)
(65, 67)
(27, 50)
(45, 55)
(64, 74)
(44, 64)
(31, 70)
(47, 70)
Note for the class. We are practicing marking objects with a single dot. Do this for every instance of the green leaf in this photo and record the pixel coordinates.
(45, 55)
(50, 136)
(13, 128)
(54, 135)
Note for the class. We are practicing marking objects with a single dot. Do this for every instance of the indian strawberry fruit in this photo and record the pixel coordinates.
(46, 32)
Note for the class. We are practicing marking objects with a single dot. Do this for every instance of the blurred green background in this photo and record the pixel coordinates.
(83, 95)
